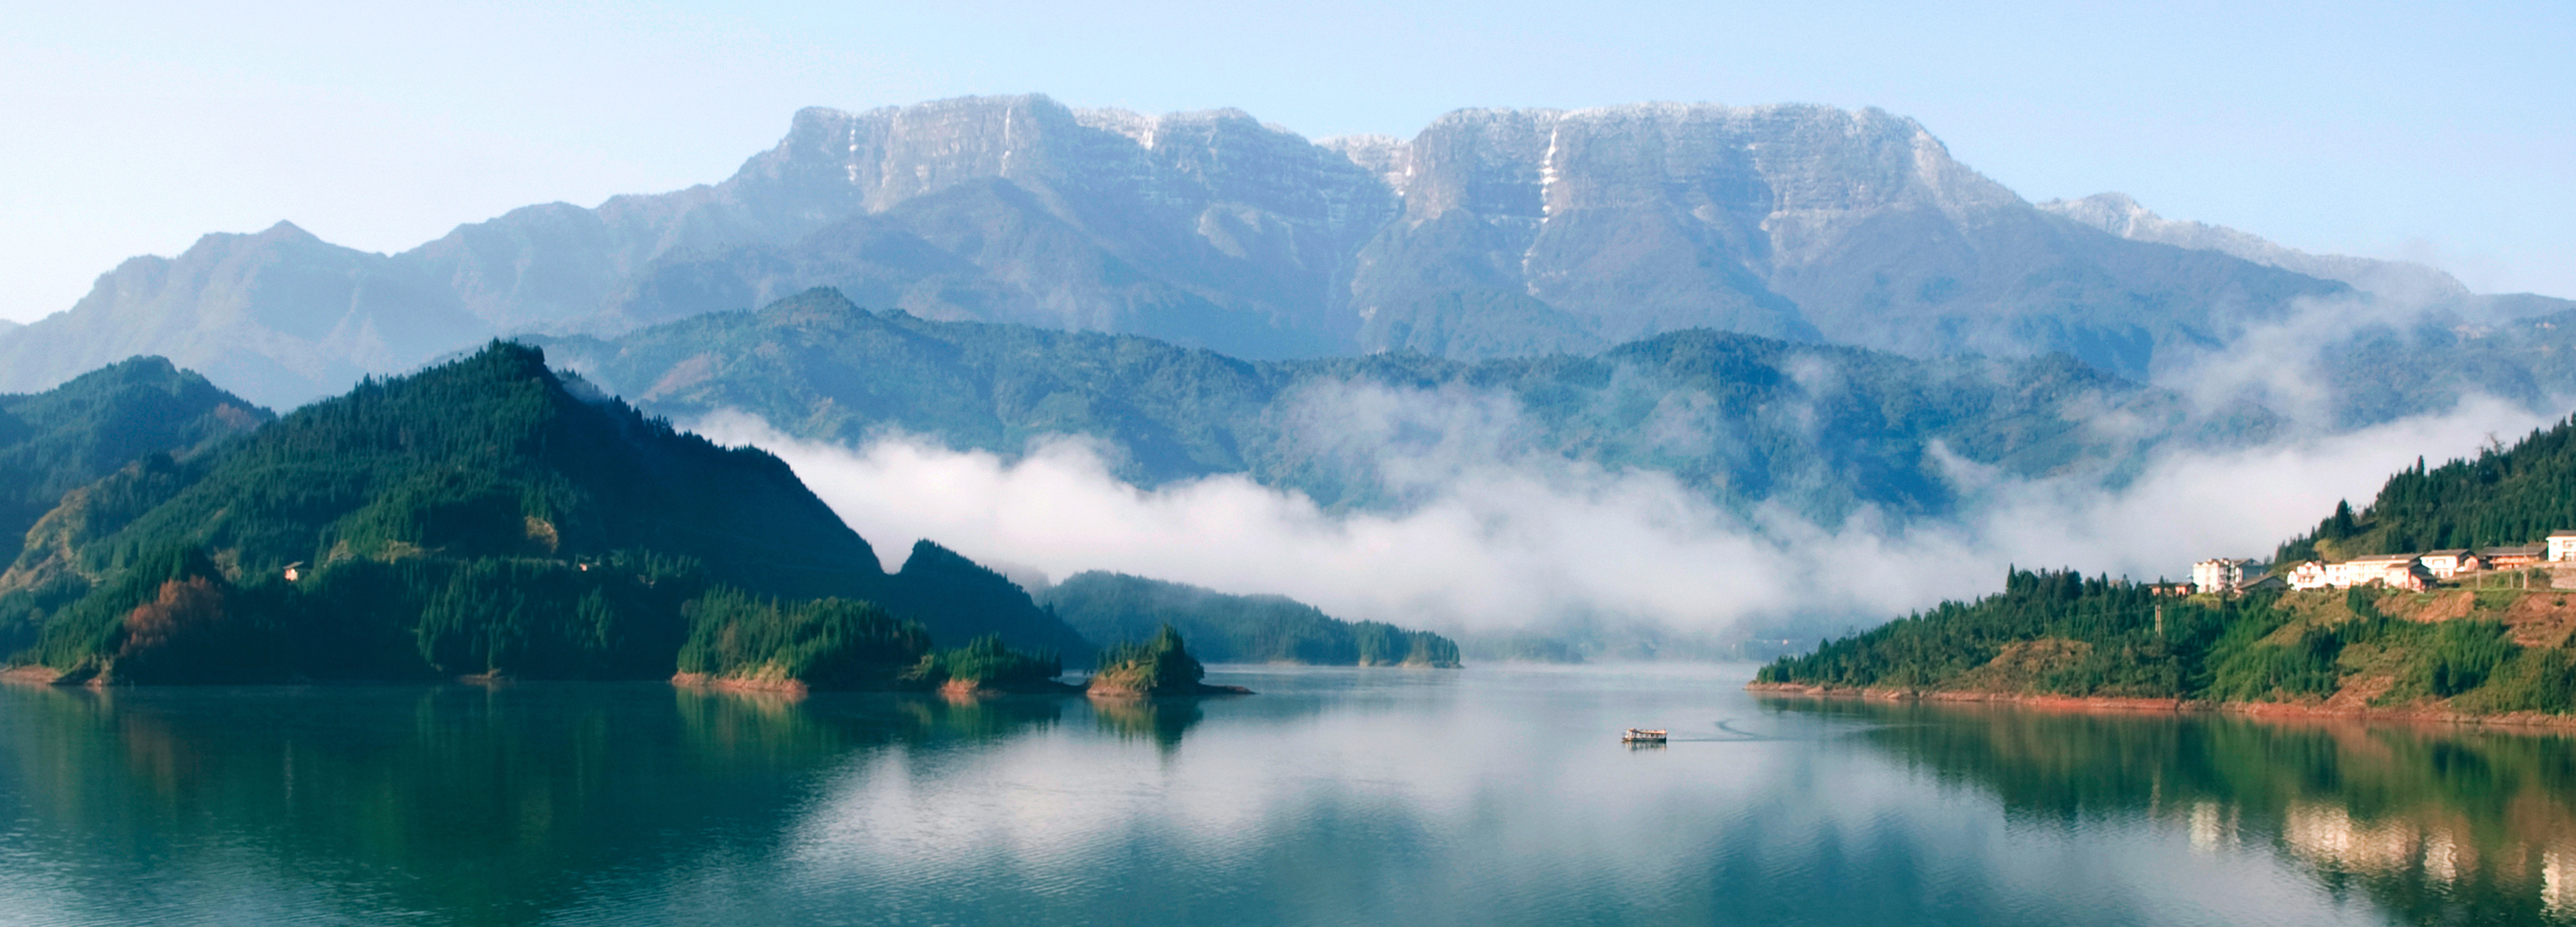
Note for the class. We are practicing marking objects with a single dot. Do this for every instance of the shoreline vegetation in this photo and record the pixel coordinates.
(1106, 606)
(489, 520)
(2450, 648)
(1157, 667)
(2060, 640)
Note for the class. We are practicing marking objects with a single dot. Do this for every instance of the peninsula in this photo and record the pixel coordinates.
(2469, 620)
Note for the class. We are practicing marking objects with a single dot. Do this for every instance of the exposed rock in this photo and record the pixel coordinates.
(1492, 232)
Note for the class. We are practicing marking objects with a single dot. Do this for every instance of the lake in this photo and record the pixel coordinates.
(1492, 795)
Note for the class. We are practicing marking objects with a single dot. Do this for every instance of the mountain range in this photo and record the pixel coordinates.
(1741, 419)
(1489, 234)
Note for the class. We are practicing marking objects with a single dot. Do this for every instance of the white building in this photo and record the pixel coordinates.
(2562, 546)
(2449, 563)
(2309, 575)
(2396, 571)
(2224, 575)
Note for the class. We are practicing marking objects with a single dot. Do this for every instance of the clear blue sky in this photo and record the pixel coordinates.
(2435, 132)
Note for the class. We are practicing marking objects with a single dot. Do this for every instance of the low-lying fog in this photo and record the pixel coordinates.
(1496, 539)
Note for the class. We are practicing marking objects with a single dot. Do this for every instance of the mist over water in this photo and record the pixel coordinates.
(1503, 541)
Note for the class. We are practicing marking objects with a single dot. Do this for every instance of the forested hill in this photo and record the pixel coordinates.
(459, 504)
(59, 440)
(2501, 497)
(2478, 644)
(1111, 607)
(1742, 419)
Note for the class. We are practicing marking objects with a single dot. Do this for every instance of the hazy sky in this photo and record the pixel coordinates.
(2410, 130)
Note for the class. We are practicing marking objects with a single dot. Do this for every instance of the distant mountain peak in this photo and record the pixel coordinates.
(1491, 232)
(287, 230)
(2121, 215)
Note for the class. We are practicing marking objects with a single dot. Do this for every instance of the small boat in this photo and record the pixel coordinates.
(1639, 735)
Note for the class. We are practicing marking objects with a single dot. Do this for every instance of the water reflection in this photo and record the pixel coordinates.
(489, 805)
(1337, 796)
(1161, 721)
(2434, 824)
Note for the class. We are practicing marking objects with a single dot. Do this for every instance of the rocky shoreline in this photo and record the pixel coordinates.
(2263, 710)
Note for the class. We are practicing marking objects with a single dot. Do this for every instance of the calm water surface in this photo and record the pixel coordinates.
(1484, 796)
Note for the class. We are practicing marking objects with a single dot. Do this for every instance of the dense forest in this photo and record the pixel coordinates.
(1236, 628)
(2501, 497)
(54, 442)
(1739, 418)
(482, 516)
(2497, 646)
(840, 644)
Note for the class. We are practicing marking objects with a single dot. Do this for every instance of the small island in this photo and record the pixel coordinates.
(1160, 666)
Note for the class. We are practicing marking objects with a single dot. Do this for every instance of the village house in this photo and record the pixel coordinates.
(2396, 571)
(2224, 575)
(2507, 558)
(2449, 563)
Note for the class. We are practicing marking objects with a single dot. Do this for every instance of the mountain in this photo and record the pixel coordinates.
(1491, 233)
(1590, 227)
(2119, 215)
(484, 515)
(54, 442)
(2405, 281)
(2383, 371)
(1110, 607)
(1740, 418)
(2480, 644)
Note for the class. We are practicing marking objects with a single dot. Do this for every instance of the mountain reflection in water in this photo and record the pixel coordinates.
(1490, 795)
(2434, 823)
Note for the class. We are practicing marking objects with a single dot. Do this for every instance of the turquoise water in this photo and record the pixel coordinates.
(1337, 796)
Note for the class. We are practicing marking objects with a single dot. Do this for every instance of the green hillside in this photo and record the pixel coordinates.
(1236, 628)
(56, 441)
(480, 516)
(2482, 645)
(2458, 651)
(2503, 497)
(1739, 418)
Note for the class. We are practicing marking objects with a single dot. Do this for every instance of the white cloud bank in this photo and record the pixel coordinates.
(1510, 541)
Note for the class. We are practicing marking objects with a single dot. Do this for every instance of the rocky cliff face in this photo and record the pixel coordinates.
(1492, 232)
(1594, 226)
